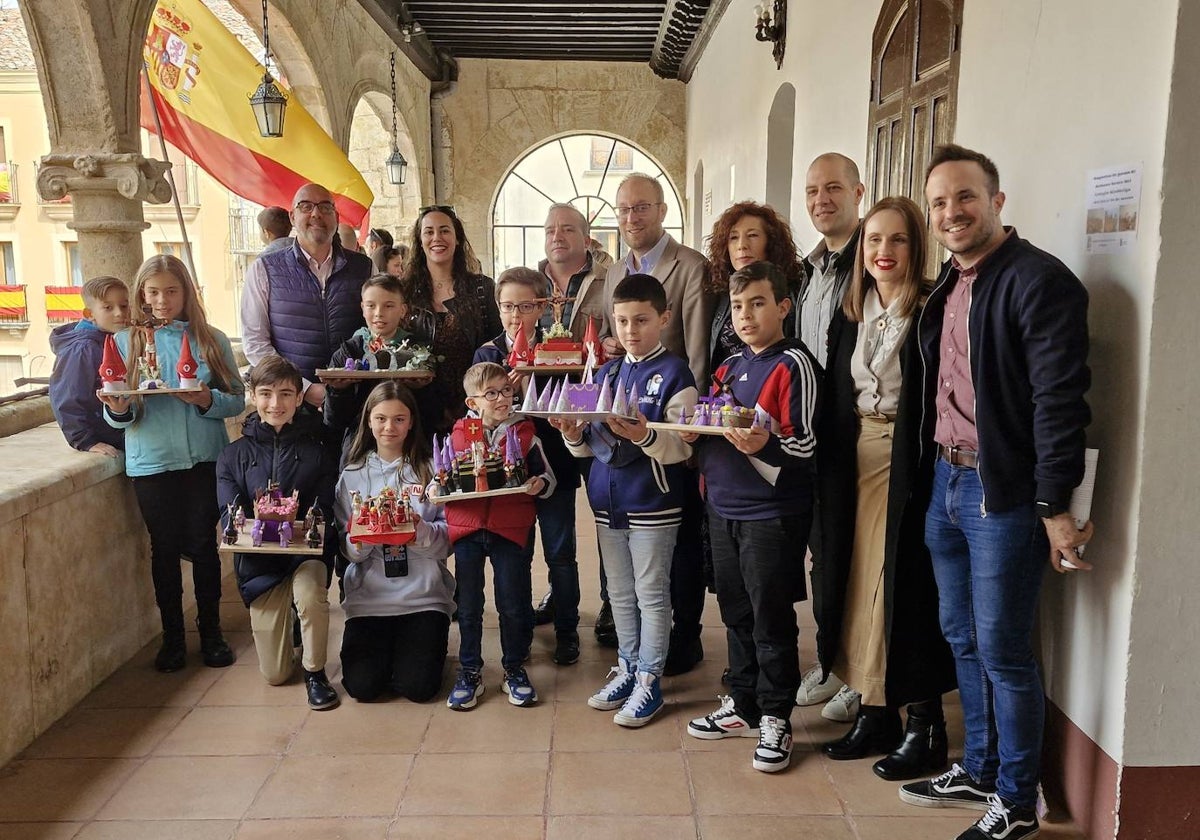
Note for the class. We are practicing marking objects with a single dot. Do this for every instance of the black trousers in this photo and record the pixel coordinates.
(404, 653)
(757, 574)
(180, 511)
(687, 568)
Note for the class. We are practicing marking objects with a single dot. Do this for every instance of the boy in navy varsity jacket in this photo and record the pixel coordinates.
(760, 497)
(501, 528)
(519, 296)
(636, 489)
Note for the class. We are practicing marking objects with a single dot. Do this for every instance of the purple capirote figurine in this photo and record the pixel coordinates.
(437, 456)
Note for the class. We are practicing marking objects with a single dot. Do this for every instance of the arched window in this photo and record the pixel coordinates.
(914, 93)
(583, 170)
(781, 137)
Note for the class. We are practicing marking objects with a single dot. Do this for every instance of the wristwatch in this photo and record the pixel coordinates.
(1048, 510)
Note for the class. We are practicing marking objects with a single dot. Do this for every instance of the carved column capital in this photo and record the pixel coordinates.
(127, 174)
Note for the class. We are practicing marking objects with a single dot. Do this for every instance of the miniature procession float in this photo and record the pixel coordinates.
(388, 359)
(715, 414)
(479, 471)
(275, 528)
(113, 372)
(557, 352)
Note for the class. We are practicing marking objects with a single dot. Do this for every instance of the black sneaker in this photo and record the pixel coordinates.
(1003, 822)
(566, 648)
(606, 629)
(321, 695)
(543, 613)
(774, 750)
(953, 789)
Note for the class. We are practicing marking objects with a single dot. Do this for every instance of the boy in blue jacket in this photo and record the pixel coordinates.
(78, 349)
(281, 446)
(636, 490)
(760, 499)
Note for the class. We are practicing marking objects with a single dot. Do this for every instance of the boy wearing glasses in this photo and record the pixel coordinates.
(501, 528)
(518, 296)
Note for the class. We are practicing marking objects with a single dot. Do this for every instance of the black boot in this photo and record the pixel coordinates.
(172, 654)
(876, 731)
(923, 752)
(213, 649)
(543, 613)
(606, 629)
(321, 695)
(566, 647)
(683, 654)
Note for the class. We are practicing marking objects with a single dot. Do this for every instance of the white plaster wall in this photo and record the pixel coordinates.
(1049, 89)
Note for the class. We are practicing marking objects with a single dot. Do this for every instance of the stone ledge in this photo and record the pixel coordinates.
(40, 469)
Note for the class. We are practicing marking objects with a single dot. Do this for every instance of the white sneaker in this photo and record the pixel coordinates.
(812, 691)
(843, 708)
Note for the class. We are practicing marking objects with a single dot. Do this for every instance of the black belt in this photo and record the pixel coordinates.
(958, 457)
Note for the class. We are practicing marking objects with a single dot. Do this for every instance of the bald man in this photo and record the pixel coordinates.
(302, 302)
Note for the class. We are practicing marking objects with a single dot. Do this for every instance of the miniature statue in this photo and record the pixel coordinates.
(112, 367)
(239, 520)
(230, 534)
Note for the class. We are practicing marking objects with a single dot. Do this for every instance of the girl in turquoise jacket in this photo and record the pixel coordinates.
(172, 443)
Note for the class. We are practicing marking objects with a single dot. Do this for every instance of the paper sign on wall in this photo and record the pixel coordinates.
(1113, 197)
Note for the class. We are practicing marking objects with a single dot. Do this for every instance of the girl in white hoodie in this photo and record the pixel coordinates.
(396, 627)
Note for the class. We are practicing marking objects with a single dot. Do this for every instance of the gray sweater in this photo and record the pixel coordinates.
(428, 584)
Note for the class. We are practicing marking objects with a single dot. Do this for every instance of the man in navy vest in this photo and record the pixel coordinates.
(302, 302)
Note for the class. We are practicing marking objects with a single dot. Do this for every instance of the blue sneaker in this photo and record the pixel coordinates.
(644, 702)
(621, 680)
(468, 688)
(518, 688)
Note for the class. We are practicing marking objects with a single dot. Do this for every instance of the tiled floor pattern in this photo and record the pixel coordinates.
(218, 754)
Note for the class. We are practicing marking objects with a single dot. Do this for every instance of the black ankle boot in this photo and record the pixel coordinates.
(213, 649)
(924, 749)
(875, 731)
(606, 628)
(172, 654)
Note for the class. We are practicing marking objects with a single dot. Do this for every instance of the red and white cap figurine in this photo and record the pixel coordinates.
(187, 366)
(519, 355)
(591, 343)
(112, 367)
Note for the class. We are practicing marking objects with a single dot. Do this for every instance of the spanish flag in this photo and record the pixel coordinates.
(201, 78)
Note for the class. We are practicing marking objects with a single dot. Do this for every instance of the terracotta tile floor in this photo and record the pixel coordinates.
(213, 755)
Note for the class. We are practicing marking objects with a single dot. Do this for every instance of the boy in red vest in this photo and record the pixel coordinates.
(500, 528)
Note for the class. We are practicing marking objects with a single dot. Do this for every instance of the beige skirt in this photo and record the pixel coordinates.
(861, 660)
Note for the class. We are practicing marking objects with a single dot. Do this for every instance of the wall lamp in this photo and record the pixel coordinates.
(771, 25)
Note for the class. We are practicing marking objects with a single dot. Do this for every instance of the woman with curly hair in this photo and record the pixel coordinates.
(458, 305)
(746, 232)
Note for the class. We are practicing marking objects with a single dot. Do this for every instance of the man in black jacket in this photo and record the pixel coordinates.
(1004, 343)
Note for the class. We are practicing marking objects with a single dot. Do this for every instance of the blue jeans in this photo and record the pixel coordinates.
(513, 589)
(989, 569)
(556, 519)
(638, 564)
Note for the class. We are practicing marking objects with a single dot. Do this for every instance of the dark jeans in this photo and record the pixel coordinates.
(756, 570)
(180, 511)
(513, 589)
(989, 571)
(687, 567)
(556, 519)
(405, 653)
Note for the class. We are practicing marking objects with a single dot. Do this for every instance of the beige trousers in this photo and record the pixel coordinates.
(271, 622)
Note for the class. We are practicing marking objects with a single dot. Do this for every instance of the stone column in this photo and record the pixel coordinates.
(107, 190)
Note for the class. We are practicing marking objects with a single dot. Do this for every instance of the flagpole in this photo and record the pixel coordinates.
(187, 245)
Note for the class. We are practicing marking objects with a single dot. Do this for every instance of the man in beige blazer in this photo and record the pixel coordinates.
(640, 214)
(641, 211)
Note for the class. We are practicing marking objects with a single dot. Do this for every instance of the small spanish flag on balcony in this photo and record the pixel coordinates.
(12, 304)
(64, 303)
(201, 77)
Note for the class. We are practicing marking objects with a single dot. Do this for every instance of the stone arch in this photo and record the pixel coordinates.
(370, 142)
(781, 138)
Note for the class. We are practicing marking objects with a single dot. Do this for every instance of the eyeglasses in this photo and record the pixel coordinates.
(491, 394)
(448, 209)
(305, 207)
(526, 308)
(636, 210)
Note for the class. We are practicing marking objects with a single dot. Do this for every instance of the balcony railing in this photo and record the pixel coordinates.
(14, 310)
(63, 304)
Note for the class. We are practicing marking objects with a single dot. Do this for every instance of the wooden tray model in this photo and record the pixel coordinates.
(148, 391)
(410, 375)
(245, 546)
(689, 428)
(486, 494)
(363, 535)
(580, 416)
(549, 370)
